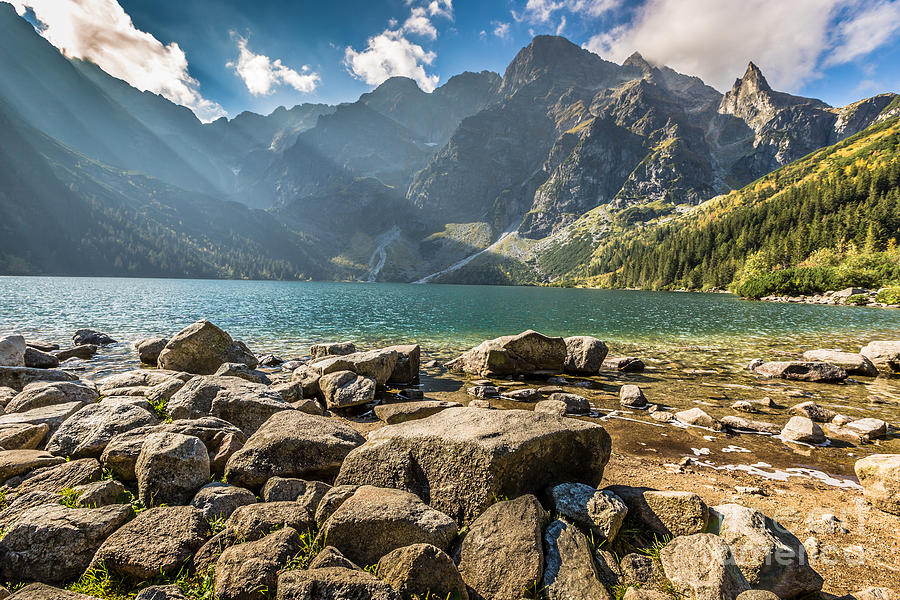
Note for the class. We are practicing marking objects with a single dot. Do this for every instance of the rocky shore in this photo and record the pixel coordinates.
(214, 473)
(846, 297)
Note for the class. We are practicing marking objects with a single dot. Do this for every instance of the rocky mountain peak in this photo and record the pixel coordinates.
(637, 61)
(753, 80)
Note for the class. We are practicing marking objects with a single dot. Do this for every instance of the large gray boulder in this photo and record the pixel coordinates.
(137, 380)
(219, 500)
(374, 521)
(406, 370)
(12, 351)
(569, 570)
(149, 349)
(599, 511)
(41, 394)
(377, 364)
(400, 412)
(502, 555)
(662, 512)
(292, 444)
(158, 541)
(201, 348)
(55, 478)
(884, 355)
(171, 468)
(245, 404)
(460, 459)
(23, 436)
(879, 474)
(342, 389)
(87, 432)
(307, 493)
(53, 544)
(253, 521)
(702, 567)
(331, 349)
(18, 462)
(244, 372)
(799, 370)
(527, 352)
(768, 555)
(422, 570)
(854, 364)
(333, 583)
(584, 355)
(803, 430)
(245, 569)
(39, 360)
(18, 377)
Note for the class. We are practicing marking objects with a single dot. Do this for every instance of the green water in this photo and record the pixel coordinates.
(288, 316)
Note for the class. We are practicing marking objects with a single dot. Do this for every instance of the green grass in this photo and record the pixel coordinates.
(100, 583)
(310, 546)
(69, 497)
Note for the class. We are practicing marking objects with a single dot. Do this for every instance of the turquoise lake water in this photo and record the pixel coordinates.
(288, 316)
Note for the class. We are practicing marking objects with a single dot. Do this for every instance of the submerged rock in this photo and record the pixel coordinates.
(89, 336)
(802, 371)
(624, 364)
(854, 364)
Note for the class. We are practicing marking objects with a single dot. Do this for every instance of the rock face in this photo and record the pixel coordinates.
(333, 583)
(884, 355)
(343, 389)
(375, 521)
(421, 570)
(702, 567)
(245, 569)
(242, 403)
(584, 355)
(50, 393)
(854, 364)
(292, 444)
(461, 458)
(600, 512)
(52, 543)
(569, 570)
(410, 411)
(148, 349)
(171, 468)
(377, 364)
(879, 474)
(159, 540)
(87, 432)
(201, 348)
(802, 371)
(12, 351)
(527, 352)
(768, 555)
(804, 430)
(502, 555)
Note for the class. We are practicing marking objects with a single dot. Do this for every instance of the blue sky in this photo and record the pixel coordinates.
(226, 56)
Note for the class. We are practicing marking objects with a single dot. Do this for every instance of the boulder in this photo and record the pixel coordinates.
(89, 336)
(854, 364)
(18, 377)
(376, 364)
(87, 432)
(501, 556)
(332, 500)
(584, 355)
(50, 393)
(421, 570)
(53, 544)
(290, 391)
(22, 503)
(219, 500)
(253, 521)
(40, 591)
(245, 569)
(148, 349)
(308, 378)
(624, 364)
(242, 371)
(171, 468)
(331, 349)
(163, 391)
(460, 459)
(879, 474)
(138, 378)
(803, 430)
(767, 554)
(813, 411)
(640, 570)
(406, 370)
(884, 355)
(600, 512)
(527, 352)
(401, 412)
(201, 348)
(18, 462)
(161, 592)
(702, 567)
(868, 429)
(83, 352)
(799, 370)
(12, 351)
(664, 513)
(242, 403)
(698, 418)
(158, 541)
(98, 493)
(6, 396)
(56, 478)
(332, 557)
(342, 389)
(333, 583)
(307, 493)
(569, 570)
(50, 416)
(374, 521)
(42, 346)
(40, 360)
(551, 407)
(484, 391)
(23, 436)
(310, 406)
(292, 444)
(742, 424)
(632, 396)
(575, 404)
(522, 395)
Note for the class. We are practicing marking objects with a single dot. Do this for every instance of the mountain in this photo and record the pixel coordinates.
(519, 178)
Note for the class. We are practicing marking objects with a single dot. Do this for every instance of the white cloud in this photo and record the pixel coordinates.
(261, 74)
(102, 32)
(390, 54)
(714, 39)
(501, 30)
(441, 8)
(419, 23)
(541, 11)
(562, 25)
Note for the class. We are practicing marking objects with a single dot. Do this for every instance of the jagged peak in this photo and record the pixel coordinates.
(754, 78)
(636, 60)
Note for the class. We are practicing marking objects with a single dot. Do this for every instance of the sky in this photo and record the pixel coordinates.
(222, 57)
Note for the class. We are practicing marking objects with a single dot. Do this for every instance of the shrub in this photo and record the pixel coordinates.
(889, 295)
(858, 299)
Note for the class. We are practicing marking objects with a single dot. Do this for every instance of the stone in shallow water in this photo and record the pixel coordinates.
(575, 404)
(624, 364)
(584, 355)
(802, 371)
(804, 430)
(632, 396)
(527, 352)
(813, 411)
(202, 348)
(854, 364)
(884, 355)
(699, 418)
